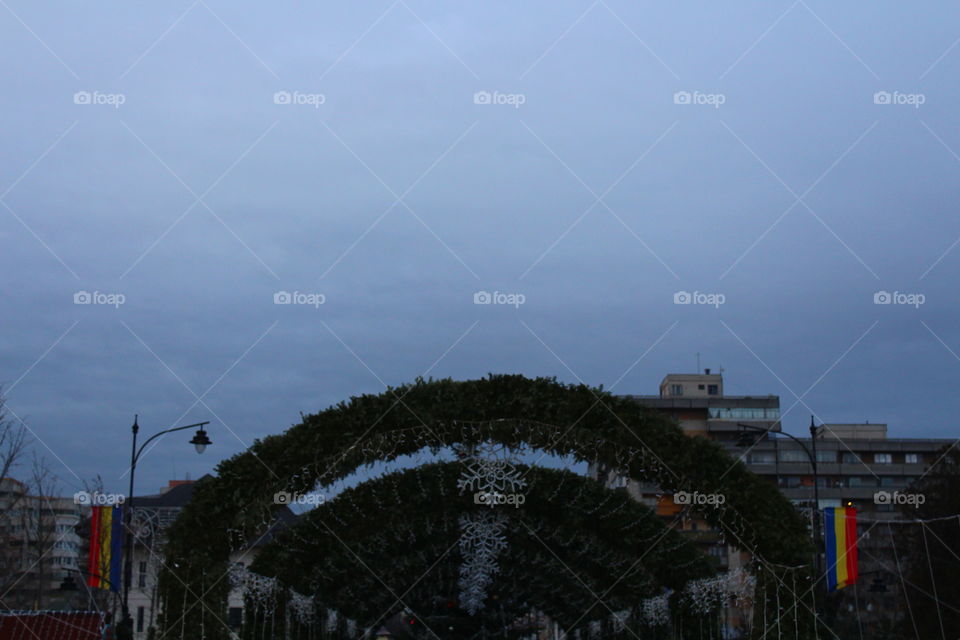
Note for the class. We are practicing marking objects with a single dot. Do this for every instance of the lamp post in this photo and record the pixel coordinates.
(200, 442)
(814, 432)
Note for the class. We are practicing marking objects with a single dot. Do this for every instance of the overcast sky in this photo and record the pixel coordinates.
(588, 160)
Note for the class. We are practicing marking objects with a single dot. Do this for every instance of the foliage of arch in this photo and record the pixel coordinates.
(230, 511)
(571, 538)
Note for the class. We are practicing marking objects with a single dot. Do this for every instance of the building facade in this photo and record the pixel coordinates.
(39, 546)
(857, 465)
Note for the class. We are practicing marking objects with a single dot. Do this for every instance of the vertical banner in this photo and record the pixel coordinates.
(105, 559)
(840, 537)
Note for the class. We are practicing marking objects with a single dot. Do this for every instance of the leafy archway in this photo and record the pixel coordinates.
(572, 538)
(228, 513)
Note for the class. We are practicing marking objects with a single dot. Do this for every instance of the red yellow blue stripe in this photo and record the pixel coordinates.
(840, 536)
(106, 548)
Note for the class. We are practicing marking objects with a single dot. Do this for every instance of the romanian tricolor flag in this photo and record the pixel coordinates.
(106, 548)
(840, 534)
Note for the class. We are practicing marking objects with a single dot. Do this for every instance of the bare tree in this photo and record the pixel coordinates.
(13, 494)
(44, 527)
(13, 446)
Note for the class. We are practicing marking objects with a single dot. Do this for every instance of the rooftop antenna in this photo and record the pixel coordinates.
(698, 362)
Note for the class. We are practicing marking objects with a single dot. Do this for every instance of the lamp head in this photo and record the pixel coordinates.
(200, 440)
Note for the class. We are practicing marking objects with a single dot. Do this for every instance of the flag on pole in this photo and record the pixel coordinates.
(840, 534)
(106, 548)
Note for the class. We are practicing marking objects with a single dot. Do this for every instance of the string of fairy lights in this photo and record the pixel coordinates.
(490, 468)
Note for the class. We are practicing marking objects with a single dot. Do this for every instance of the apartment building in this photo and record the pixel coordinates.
(856, 465)
(39, 546)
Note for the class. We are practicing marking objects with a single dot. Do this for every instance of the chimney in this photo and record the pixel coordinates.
(706, 372)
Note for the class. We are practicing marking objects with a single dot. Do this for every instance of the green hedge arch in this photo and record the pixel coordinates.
(230, 511)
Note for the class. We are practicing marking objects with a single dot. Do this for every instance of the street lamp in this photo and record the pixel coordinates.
(200, 442)
(814, 432)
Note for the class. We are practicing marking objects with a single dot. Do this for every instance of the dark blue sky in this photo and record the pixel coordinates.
(398, 158)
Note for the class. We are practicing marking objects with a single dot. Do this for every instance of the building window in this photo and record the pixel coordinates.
(793, 455)
(676, 389)
(761, 457)
(912, 458)
(713, 389)
(142, 575)
(700, 387)
(849, 457)
(882, 458)
(743, 413)
(140, 619)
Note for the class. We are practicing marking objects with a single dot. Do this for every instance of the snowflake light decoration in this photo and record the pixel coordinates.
(481, 541)
(491, 471)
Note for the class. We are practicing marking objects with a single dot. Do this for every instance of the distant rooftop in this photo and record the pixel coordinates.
(849, 431)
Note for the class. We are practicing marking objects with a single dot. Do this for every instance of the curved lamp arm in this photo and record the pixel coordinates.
(136, 456)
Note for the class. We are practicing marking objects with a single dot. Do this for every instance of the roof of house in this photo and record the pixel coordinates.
(180, 493)
(62, 625)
